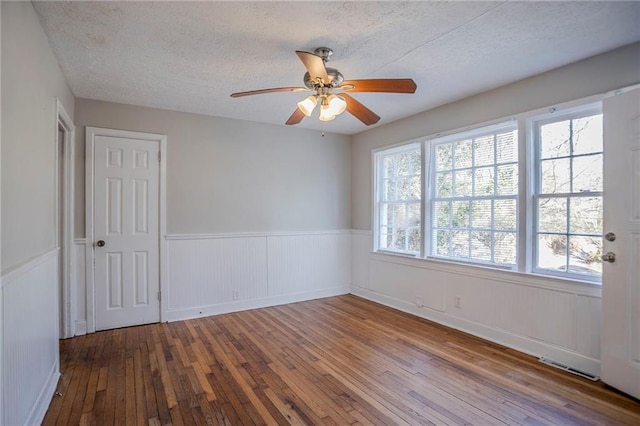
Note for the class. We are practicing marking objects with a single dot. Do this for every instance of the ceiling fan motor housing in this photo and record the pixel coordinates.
(335, 79)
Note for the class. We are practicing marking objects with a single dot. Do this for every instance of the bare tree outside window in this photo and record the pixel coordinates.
(569, 197)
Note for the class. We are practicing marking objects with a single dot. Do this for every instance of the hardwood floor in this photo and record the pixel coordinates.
(340, 360)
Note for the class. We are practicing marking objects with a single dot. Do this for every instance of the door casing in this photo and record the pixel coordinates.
(90, 135)
(64, 207)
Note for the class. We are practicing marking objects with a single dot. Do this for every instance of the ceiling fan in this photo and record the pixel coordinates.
(330, 90)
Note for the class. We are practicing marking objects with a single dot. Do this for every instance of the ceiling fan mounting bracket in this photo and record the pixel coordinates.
(324, 52)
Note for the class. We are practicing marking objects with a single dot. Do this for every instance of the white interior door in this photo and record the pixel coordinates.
(126, 231)
(621, 276)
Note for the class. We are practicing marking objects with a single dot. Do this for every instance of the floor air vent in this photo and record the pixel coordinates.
(569, 369)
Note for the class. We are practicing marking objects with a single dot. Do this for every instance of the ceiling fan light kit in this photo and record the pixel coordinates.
(324, 81)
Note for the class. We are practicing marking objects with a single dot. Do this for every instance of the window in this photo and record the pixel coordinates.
(568, 196)
(474, 196)
(399, 199)
(525, 195)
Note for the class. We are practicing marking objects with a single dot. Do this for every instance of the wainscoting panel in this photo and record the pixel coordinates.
(559, 320)
(306, 263)
(79, 251)
(212, 274)
(30, 330)
(213, 271)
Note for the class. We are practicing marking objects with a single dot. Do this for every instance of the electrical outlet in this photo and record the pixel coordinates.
(458, 302)
(419, 302)
(235, 295)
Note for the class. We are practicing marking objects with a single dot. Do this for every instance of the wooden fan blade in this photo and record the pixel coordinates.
(295, 118)
(388, 85)
(360, 111)
(272, 90)
(315, 66)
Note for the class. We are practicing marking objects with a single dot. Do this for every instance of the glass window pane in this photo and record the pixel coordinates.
(413, 214)
(463, 154)
(481, 243)
(508, 179)
(460, 243)
(505, 215)
(461, 213)
(385, 237)
(404, 164)
(405, 189)
(484, 183)
(584, 255)
(483, 151)
(556, 176)
(389, 190)
(387, 167)
(552, 215)
(587, 134)
(399, 198)
(443, 185)
(555, 139)
(507, 147)
(462, 186)
(586, 215)
(442, 242)
(441, 213)
(505, 247)
(413, 239)
(399, 214)
(587, 173)
(481, 214)
(399, 239)
(552, 252)
(444, 156)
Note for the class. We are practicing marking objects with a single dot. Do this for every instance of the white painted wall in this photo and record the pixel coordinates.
(556, 319)
(31, 80)
(289, 188)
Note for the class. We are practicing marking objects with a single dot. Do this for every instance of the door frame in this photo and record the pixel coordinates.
(66, 206)
(90, 135)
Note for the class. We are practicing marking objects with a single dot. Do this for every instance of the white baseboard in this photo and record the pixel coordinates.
(81, 328)
(243, 305)
(519, 343)
(44, 398)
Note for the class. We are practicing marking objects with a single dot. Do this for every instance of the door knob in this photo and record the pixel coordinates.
(610, 236)
(100, 243)
(609, 257)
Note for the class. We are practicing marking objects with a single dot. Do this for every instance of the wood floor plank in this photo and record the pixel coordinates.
(334, 361)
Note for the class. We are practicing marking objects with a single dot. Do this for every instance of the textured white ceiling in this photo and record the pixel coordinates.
(190, 56)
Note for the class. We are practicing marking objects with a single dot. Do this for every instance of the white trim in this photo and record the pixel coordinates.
(68, 187)
(90, 134)
(12, 274)
(361, 232)
(254, 234)
(40, 407)
(243, 305)
(503, 337)
(507, 276)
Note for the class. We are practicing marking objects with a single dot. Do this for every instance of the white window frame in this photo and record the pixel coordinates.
(428, 201)
(378, 156)
(527, 186)
(534, 124)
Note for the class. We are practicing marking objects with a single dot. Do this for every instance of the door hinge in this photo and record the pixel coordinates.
(159, 296)
(159, 156)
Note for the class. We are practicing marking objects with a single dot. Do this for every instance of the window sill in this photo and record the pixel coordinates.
(549, 282)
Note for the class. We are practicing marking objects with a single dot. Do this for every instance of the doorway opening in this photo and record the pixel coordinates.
(63, 225)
